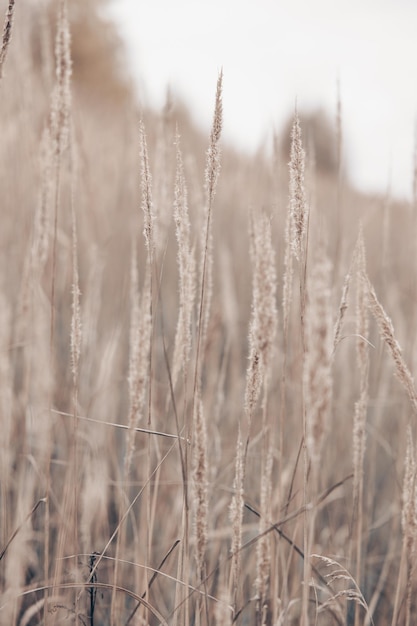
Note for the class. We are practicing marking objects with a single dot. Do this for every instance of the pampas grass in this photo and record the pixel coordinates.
(263, 323)
(200, 422)
(200, 477)
(211, 176)
(386, 330)
(298, 203)
(186, 270)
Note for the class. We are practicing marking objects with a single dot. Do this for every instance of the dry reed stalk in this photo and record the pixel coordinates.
(287, 299)
(343, 306)
(317, 393)
(359, 419)
(146, 187)
(59, 127)
(76, 325)
(211, 176)
(75, 352)
(59, 124)
(263, 324)
(409, 530)
(183, 337)
(318, 358)
(149, 236)
(183, 570)
(97, 497)
(187, 273)
(18, 553)
(140, 359)
(35, 258)
(140, 341)
(7, 35)
(8, 452)
(40, 245)
(262, 332)
(70, 501)
(263, 548)
(296, 240)
(383, 575)
(344, 301)
(200, 479)
(212, 171)
(287, 289)
(386, 331)
(148, 232)
(236, 518)
(409, 522)
(134, 328)
(362, 347)
(311, 181)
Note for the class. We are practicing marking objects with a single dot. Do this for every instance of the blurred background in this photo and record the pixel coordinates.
(276, 51)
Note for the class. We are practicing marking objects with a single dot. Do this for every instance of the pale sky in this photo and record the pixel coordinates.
(276, 51)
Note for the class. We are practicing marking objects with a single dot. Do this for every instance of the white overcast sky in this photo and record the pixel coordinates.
(276, 51)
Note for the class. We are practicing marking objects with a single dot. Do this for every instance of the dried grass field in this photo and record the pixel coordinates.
(207, 404)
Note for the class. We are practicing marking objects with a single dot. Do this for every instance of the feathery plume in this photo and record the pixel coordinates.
(342, 310)
(298, 204)
(358, 257)
(386, 331)
(146, 186)
(263, 324)
(187, 271)
(212, 172)
(214, 152)
(61, 97)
